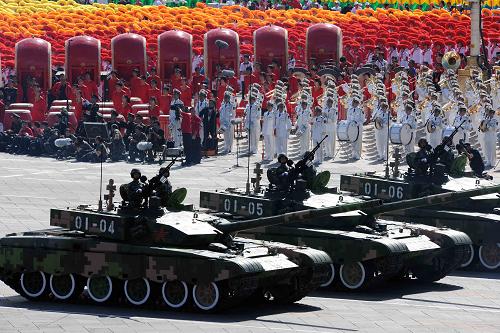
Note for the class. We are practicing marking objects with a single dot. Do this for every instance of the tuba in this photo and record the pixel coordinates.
(451, 60)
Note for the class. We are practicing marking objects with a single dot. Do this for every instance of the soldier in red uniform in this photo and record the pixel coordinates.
(165, 100)
(176, 79)
(135, 82)
(154, 91)
(124, 108)
(153, 108)
(39, 110)
(62, 89)
(116, 96)
(91, 84)
(142, 90)
(154, 76)
(77, 103)
(186, 95)
(198, 79)
(86, 90)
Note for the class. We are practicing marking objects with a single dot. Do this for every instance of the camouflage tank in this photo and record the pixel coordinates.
(139, 253)
(364, 249)
(477, 216)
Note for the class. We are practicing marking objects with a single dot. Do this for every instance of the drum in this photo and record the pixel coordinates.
(448, 130)
(347, 131)
(401, 134)
(300, 130)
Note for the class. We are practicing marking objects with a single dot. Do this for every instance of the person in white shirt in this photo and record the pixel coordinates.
(381, 117)
(490, 138)
(282, 127)
(427, 55)
(393, 53)
(243, 69)
(404, 58)
(355, 113)
(176, 106)
(409, 119)
(464, 130)
(268, 124)
(417, 55)
(318, 131)
(252, 124)
(330, 112)
(435, 124)
(226, 115)
(201, 104)
(303, 112)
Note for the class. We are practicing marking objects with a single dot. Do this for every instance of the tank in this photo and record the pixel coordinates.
(226, 53)
(140, 253)
(323, 43)
(271, 45)
(83, 55)
(128, 51)
(477, 216)
(365, 250)
(175, 49)
(33, 59)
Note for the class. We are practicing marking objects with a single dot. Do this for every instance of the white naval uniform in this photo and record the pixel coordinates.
(435, 138)
(268, 123)
(410, 120)
(381, 134)
(175, 125)
(252, 125)
(356, 115)
(304, 125)
(226, 114)
(318, 130)
(331, 115)
(490, 142)
(466, 127)
(282, 125)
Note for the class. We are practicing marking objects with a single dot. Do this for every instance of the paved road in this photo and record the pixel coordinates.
(29, 187)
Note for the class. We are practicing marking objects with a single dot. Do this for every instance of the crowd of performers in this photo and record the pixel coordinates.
(272, 106)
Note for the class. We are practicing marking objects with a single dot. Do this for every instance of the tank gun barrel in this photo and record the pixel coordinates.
(295, 217)
(431, 200)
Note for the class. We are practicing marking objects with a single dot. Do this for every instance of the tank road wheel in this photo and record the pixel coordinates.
(137, 291)
(489, 255)
(206, 296)
(64, 287)
(100, 288)
(33, 284)
(353, 275)
(331, 277)
(468, 256)
(175, 293)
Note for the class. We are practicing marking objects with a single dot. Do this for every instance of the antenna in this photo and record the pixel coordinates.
(100, 188)
(387, 144)
(249, 138)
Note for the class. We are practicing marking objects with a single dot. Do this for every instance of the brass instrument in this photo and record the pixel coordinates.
(451, 60)
(378, 123)
(483, 126)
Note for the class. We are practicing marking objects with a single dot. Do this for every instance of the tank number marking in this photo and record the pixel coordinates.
(252, 208)
(391, 191)
(83, 224)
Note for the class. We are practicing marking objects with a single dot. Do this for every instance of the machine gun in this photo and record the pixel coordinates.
(157, 181)
(439, 149)
(301, 165)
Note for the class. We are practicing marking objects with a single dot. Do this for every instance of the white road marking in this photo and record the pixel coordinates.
(55, 180)
(25, 196)
(11, 176)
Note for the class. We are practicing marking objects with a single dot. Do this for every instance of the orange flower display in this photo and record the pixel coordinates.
(58, 21)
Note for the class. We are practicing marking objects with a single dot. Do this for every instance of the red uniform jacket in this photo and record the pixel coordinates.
(164, 103)
(186, 95)
(134, 85)
(124, 109)
(116, 97)
(156, 78)
(196, 83)
(93, 87)
(154, 92)
(39, 109)
(154, 112)
(25, 131)
(186, 126)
